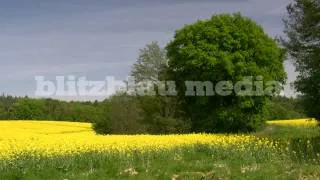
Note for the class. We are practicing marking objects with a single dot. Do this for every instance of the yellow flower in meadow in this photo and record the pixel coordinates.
(294, 122)
(50, 138)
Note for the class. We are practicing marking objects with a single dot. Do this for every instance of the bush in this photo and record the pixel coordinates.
(169, 125)
(124, 117)
(282, 108)
(102, 126)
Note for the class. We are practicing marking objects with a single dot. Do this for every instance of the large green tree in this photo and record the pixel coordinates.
(223, 48)
(302, 27)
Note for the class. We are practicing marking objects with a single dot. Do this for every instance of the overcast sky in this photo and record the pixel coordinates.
(101, 38)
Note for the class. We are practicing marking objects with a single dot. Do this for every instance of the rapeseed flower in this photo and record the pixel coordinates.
(51, 138)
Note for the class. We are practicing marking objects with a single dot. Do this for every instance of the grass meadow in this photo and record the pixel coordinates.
(64, 150)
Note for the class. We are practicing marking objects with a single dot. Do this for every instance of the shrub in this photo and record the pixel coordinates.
(123, 116)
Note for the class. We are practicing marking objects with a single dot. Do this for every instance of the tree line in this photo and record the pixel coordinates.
(123, 114)
(25, 108)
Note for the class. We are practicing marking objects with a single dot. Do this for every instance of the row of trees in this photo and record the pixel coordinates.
(124, 114)
(25, 108)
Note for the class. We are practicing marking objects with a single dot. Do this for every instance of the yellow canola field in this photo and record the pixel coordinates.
(50, 138)
(294, 122)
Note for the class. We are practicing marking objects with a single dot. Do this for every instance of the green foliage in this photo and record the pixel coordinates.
(161, 115)
(120, 114)
(138, 115)
(6, 106)
(151, 62)
(144, 114)
(281, 108)
(169, 125)
(3, 113)
(102, 126)
(26, 109)
(303, 45)
(125, 115)
(224, 48)
(49, 109)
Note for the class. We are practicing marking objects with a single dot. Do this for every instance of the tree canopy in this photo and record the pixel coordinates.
(224, 48)
(302, 29)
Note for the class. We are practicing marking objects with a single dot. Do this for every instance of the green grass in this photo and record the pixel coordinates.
(192, 163)
(289, 132)
(298, 159)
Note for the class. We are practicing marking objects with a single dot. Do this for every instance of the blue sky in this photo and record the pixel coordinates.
(101, 38)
